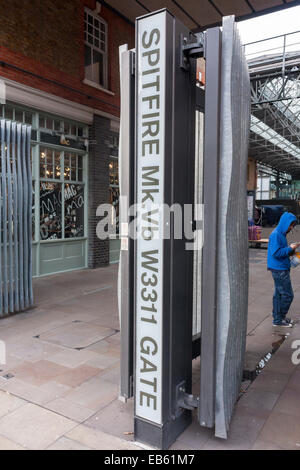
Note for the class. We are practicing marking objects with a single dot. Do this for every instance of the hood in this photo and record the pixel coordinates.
(285, 221)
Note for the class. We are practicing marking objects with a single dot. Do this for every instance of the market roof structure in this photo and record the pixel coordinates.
(199, 14)
(274, 66)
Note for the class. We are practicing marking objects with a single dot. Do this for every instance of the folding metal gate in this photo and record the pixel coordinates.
(15, 218)
(225, 257)
(208, 287)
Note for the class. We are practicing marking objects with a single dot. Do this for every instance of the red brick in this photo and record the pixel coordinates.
(47, 39)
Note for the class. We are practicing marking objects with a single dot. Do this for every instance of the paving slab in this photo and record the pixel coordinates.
(69, 410)
(258, 402)
(76, 335)
(99, 440)
(122, 424)
(67, 444)
(264, 445)
(34, 427)
(71, 358)
(244, 431)
(289, 403)
(6, 444)
(33, 394)
(38, 373)
(9, 403)
(75, 377)
(294, 381)
(81, 387)
(94, 394)
(283, 430)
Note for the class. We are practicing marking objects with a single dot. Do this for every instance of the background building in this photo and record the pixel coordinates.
(59, 62)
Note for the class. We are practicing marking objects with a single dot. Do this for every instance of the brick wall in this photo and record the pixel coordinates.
(38, 30)
(47, 39)
(99, 154)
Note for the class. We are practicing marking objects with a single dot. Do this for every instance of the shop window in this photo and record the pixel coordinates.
(74, 211)
(65, 199)
(28, 118)
(50, 164)
(95, 35)
(50, 210)
(73, 167)
(18, 115)
(114, 191)
(9, 113)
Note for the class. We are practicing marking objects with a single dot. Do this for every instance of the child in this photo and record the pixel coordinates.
(279, 264)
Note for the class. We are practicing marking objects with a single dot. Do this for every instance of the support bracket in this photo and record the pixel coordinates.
(192, 47)
(185, 400)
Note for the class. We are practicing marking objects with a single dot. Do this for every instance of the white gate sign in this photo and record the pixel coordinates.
(151, 76)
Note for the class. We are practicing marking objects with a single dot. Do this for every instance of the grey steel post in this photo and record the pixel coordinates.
(165, 152)
(127, 185)
(210, 198)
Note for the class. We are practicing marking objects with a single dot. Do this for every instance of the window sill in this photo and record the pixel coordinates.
(63, 240)
(99, 87)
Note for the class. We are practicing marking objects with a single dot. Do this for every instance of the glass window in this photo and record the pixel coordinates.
(49, 124)
(9, 112)
(98, 67)
(88, 63)
(42, 122)
(19, 115)
(50, 164)
(74, 211)
(114, 191)
(57, 164)
(57, 126)
(50, 210)
(80, 169)
(28, 118)
(95, 49)
(114, 173)
(43, 163)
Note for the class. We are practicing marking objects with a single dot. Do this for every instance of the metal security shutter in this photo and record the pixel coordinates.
(225, 258)
(15, 218)
(232, 283)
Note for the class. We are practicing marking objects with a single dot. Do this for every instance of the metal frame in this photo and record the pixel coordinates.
(127, 190)
(167, 384)
(275, 100)
(177, 264)
(209, 267)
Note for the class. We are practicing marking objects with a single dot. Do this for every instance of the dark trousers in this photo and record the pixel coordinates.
(283, 295)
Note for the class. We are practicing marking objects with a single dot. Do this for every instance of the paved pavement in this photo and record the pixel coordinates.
(59, 388)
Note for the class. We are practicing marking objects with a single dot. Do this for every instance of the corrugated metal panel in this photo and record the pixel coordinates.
(232, 280)
(15, 218)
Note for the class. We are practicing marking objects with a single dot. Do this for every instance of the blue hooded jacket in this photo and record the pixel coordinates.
(278, 249)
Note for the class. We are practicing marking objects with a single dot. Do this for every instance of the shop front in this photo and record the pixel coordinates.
(59, 158)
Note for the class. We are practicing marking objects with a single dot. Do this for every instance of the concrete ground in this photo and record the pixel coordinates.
(59, 387)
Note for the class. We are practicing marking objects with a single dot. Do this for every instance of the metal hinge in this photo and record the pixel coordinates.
(185, 400)
(192, 47)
